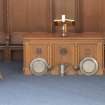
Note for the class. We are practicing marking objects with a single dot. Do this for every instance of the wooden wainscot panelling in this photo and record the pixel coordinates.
(39, 15)
(17, 15)
(90, 18)
(28, 15)
(102, 15)
(36, 15)
(1, 16)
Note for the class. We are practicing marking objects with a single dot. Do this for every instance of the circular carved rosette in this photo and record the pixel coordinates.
(63, 51)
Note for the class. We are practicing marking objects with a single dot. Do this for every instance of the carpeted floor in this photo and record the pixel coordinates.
(17, 89)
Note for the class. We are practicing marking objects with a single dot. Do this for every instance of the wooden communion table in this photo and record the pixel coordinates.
(70, 50)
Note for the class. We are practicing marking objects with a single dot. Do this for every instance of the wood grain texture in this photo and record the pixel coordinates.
(2, 37)
(28, 15)
(102, 15)
(33, 15)
(1, 16)
(90, 45)
(64, 7)
(90, 15)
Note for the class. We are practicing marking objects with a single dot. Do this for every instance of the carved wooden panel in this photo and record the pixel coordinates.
(36, 50)
(39, 50)
(63, 54)
(87, 50)
(94, 50)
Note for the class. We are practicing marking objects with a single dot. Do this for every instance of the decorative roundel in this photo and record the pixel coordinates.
(89, 66)
(39, 66)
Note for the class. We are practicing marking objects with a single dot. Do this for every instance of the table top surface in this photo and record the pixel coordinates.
(44, 35)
